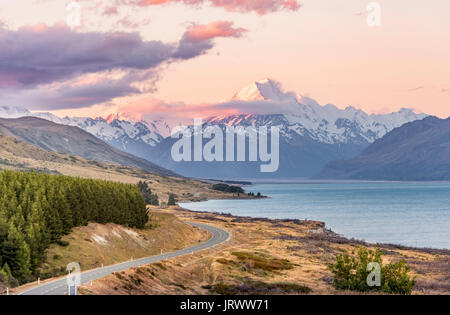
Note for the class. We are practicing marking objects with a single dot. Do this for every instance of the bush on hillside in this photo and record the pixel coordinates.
(352, 273)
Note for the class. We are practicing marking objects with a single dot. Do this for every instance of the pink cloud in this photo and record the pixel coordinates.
(148, 107)
(198, 38)
(44, 66)
(211, 30)
(35, 55)
(111, 10)
(259, 6)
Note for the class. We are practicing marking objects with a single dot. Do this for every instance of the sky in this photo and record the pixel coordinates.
(182, 57)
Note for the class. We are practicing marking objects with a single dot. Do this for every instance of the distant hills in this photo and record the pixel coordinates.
(418, 150)
(72, 140)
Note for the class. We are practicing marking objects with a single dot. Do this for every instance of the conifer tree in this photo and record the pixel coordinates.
(171, 201)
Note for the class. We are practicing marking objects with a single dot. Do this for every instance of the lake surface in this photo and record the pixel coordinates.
(414, 214)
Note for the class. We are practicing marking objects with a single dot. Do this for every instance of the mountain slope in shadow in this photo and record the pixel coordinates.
(418, 150)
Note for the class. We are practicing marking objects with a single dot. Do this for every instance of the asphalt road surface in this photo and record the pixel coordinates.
(59, 287)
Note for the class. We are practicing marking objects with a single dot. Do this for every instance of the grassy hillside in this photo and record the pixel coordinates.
(108, 244)
(71, 140)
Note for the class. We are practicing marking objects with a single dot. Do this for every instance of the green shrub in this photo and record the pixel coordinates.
(62, 243)
(396, 278)
(352, 273)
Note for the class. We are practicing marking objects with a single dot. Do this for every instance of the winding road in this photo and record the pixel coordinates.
(59, 287)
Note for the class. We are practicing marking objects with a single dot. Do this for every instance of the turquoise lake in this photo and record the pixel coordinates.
(414, 214)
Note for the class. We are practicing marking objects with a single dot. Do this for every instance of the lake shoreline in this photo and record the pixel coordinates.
(342, 238)
(408, 214)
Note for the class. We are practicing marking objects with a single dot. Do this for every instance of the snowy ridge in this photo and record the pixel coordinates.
(303, 116)
(121, 132)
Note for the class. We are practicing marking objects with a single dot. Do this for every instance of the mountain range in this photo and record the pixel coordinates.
(418, 150)
(311, 135)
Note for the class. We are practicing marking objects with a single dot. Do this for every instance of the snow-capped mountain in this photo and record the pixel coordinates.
(301, 115)
(311, 134)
